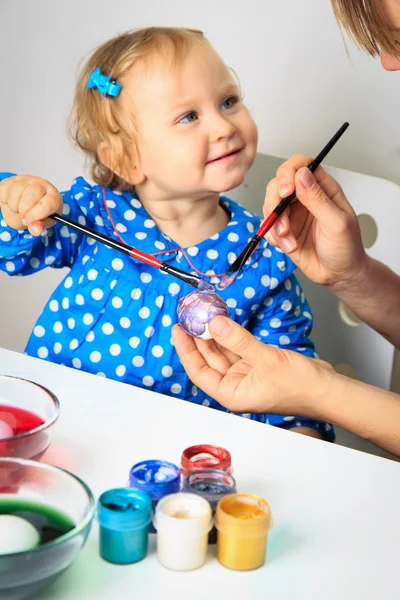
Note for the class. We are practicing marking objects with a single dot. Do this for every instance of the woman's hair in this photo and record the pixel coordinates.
(367, 25)
(96, 120)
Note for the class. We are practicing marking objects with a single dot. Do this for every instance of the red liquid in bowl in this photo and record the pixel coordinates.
(19, 419)
(23, 421)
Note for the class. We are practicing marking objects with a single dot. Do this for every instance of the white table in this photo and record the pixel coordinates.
(336, 511)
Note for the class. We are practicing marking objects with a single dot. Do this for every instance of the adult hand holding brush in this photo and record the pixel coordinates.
(320, 232)
(322, 236)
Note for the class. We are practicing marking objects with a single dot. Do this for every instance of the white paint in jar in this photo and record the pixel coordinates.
(182, 522)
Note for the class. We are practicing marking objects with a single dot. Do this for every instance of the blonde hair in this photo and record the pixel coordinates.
(96, 120)
(367, 25)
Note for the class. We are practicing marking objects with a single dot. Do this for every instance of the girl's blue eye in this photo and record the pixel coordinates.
(229, 103)
(189, 118)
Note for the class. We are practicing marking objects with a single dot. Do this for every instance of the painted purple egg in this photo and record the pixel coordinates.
(197, 309)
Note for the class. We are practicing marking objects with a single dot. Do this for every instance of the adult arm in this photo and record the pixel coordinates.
(245, 375)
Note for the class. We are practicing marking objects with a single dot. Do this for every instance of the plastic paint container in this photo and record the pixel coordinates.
(205, 456)
(243, 522)
(182, 522)
(211, 485)
(158, 478)
(124, 516)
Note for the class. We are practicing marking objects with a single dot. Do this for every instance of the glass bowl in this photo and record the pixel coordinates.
(25, 573)
(23, 395)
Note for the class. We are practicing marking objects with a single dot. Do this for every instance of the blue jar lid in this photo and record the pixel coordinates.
(156, 477)
(124, 509)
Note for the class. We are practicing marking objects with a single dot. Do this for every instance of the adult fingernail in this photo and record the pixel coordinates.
(279, 227)
(286, 244)
(220, 326)
(307, 179)
(24, 222)
(284, 188)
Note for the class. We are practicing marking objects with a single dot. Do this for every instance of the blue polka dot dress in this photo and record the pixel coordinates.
(112, 316)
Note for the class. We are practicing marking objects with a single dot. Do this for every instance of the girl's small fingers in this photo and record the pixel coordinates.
(48, 223)
(36, 228)
(30, 196)
(43, 208)
(12, 194)
(6, 187)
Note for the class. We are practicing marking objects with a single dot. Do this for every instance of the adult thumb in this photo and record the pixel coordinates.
(235, 338)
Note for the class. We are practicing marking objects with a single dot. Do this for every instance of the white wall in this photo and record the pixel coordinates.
(289, 55)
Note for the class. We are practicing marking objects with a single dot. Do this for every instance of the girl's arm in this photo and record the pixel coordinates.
(23, 251)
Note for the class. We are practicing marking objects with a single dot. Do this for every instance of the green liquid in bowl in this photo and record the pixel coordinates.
(50, 522)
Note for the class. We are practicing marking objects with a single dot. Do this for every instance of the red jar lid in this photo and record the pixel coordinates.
(206, 456)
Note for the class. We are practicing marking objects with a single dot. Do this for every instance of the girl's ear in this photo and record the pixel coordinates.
(128, 168)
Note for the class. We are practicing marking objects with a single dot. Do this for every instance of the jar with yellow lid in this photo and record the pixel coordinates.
(243, 522)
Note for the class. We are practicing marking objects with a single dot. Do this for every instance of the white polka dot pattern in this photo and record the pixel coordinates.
(112, 316)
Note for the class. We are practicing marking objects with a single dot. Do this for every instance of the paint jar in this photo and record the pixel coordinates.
(124, 516)
(182, 522)
(158, 478)
(243, 522)
(205, 456)
(211, 485)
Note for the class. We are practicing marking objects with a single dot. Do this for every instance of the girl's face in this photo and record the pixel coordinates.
(392, 8)
(194, 134)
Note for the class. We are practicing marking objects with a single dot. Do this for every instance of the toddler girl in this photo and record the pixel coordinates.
(162, 120)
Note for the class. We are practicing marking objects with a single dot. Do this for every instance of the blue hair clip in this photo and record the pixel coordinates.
(104, 83)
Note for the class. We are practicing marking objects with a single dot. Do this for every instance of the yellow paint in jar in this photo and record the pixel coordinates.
(243, 522)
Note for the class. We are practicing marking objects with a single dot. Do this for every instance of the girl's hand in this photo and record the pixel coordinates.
(27, 201)
(320, 232)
